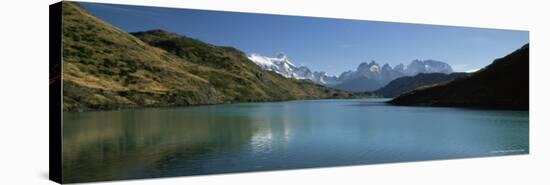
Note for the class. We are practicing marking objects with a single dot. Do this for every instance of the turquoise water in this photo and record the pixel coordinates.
(161, 142)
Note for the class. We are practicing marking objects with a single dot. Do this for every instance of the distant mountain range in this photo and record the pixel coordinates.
(367, 77)
(504, 84)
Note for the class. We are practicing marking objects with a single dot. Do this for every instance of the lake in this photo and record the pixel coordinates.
(161, 142)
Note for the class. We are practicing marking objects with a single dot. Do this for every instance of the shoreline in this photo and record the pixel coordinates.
(198, 105)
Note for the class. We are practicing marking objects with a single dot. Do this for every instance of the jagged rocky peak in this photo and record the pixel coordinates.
(282, 56)
(386, 67)
(372, 62)
(372, 66)
(362, 65)
(399, 67)
(427, 66)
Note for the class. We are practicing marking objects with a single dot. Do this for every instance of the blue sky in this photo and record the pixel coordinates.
(322, 44)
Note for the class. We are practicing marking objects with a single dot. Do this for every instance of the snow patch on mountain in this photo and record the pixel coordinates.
(282, 65)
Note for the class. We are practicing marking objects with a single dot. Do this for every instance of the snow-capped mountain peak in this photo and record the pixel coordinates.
(281, 64)
(262, 61)
(282, 56)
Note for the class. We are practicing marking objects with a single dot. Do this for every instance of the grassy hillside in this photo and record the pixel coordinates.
(409, 83)
(106, 68)
(504, 84)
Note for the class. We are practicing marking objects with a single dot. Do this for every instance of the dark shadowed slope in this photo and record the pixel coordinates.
(408, 83)
(106, 68)
(504, 84)
(359, 84)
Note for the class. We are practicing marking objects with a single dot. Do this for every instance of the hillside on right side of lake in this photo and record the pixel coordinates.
(504, 84)
(408, 83)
